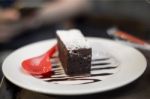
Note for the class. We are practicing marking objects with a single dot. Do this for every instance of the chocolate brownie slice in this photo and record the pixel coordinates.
(74, 52)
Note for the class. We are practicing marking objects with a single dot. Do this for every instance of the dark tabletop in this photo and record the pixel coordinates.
(139, 89)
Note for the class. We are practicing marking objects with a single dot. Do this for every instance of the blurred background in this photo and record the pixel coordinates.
(26, 21)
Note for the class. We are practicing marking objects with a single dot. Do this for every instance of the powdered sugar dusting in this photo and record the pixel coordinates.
(73, 39)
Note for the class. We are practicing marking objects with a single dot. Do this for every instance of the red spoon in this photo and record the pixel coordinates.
(40, 64)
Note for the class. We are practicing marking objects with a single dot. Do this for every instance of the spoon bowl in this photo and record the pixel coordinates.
(40, 64)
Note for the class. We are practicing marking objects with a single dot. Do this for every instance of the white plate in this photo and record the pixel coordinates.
(132, 65)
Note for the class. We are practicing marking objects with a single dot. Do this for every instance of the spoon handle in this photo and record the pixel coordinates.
(52, 50)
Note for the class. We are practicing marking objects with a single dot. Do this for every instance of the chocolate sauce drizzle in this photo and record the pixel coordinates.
(59, 76)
